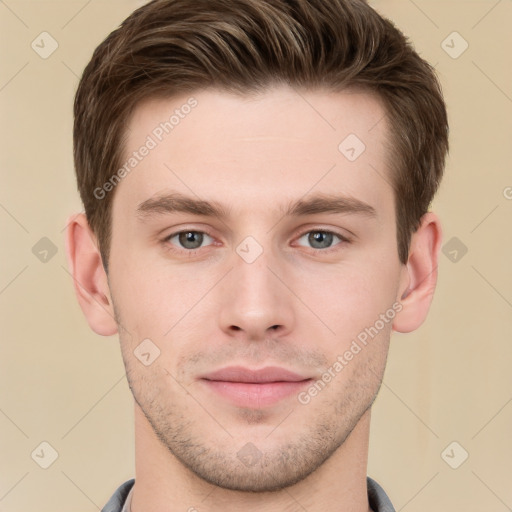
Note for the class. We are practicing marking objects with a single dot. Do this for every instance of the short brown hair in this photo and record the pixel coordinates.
(168, 47)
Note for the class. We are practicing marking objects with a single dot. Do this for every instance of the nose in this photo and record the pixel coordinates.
(255, 302)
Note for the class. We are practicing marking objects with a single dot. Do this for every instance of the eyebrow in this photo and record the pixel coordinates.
(316, 204)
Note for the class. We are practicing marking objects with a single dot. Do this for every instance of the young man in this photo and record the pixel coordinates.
(256, 176)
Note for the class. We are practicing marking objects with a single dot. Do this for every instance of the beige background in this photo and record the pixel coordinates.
(449, 381)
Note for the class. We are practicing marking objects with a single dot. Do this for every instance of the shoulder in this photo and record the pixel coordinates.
(116, 502)
(378, 499)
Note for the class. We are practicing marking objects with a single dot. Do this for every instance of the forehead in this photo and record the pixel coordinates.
(276, 144)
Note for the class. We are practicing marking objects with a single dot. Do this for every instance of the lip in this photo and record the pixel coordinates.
(254, 388)
(264, 375)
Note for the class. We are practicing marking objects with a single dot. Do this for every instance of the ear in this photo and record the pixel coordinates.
(419, 275)
(89, 277)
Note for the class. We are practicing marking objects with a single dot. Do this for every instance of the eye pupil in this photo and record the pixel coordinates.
(191, 239)
(320, 239)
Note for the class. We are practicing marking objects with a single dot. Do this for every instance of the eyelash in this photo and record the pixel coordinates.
(192, 252)
(343, 240)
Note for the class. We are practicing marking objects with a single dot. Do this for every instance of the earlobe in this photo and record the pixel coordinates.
(419, 275)
(89, 278)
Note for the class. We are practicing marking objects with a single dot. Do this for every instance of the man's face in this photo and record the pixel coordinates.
(270, 283)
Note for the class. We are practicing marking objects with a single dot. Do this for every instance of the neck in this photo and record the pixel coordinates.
(163, 483)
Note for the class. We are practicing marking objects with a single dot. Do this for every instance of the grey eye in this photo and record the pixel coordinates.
(189, 239)
(319, 239)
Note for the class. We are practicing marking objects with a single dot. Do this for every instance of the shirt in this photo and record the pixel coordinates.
(120, 501)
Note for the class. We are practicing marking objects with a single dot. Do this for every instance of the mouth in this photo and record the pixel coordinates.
(254, 388)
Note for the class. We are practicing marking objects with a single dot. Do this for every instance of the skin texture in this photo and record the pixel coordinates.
(293, 307)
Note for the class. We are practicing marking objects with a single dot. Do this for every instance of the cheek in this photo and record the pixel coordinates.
(160, 302)
(351, 297)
